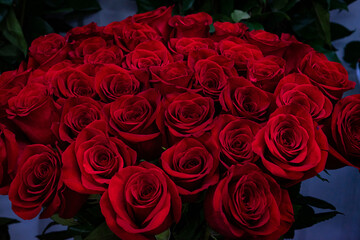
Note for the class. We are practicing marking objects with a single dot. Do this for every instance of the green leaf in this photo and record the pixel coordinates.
(339, 31)
(149, 5)
(352, 53)
(323, 18)
(12, 31)
(6, 2)
(226, 7)
(338, 4)
(239, 15)
(254, 26)
(7, 221)
(85, 5)
(164, 235)
(101, 232)
(279, 4)
(63, 221)
(318, 203)
(38, 27)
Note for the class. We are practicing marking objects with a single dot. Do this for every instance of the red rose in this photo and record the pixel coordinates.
(147, 54)
(105, 55)
(266, 72)
(291, 146)
(38, 184)
(8, 158)
(345, 132)
(45, 51)
(93, 159)
(192, 165)
(86, 47)
(297, 89)
(227, 29)
(331, 77)
(157, 19)
(249, 204)
(34, 111)
(11, 83)
(77, 113)
(141, 202)
(72, 82)
(111, 82)
(200, 54)
(129, 34)
(234, 137)
(172, 78)
(84, 32)
(241, 53)
(187, 115)
(241, 98)
(211, 74)
(132, 118)
(192, 25)
(269, 43)
(185, 46)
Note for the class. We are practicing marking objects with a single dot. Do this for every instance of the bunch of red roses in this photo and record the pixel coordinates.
(154, 111)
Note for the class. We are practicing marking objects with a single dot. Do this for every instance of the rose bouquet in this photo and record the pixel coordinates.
(156, 128)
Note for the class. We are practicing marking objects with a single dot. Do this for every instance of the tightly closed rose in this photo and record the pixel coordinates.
(193, 25)
(34, 111)
(241, 98)
(249, 204)
(192, 165)
(93, 159)
(133, 119)
(345, 129)
(187, 115)
(8, 158)
(45, 51)
(112, 81)
(38, 184)
(211, 75)
(172, 78)
(297, 89)
(129, 34)
(331, 77)
(266, 72)
(291, 146)
(240, 52)
(234, 137)
(77, 113)
(141, 202)
(157, 19)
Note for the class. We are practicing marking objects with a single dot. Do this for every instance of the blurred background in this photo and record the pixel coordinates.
(330, 26)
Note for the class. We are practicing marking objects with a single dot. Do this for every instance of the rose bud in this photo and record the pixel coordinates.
(297, 89)
(234, 137)
(8, 158)
(46, 51)
(93, 159)
(133, 119)
(141, 202)
(192, 165)
(241, 98)
(38, 184)
(331, 77)
(291, 146)
(266, 72)
(248, 204)
(192, 25)
(34, 111)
